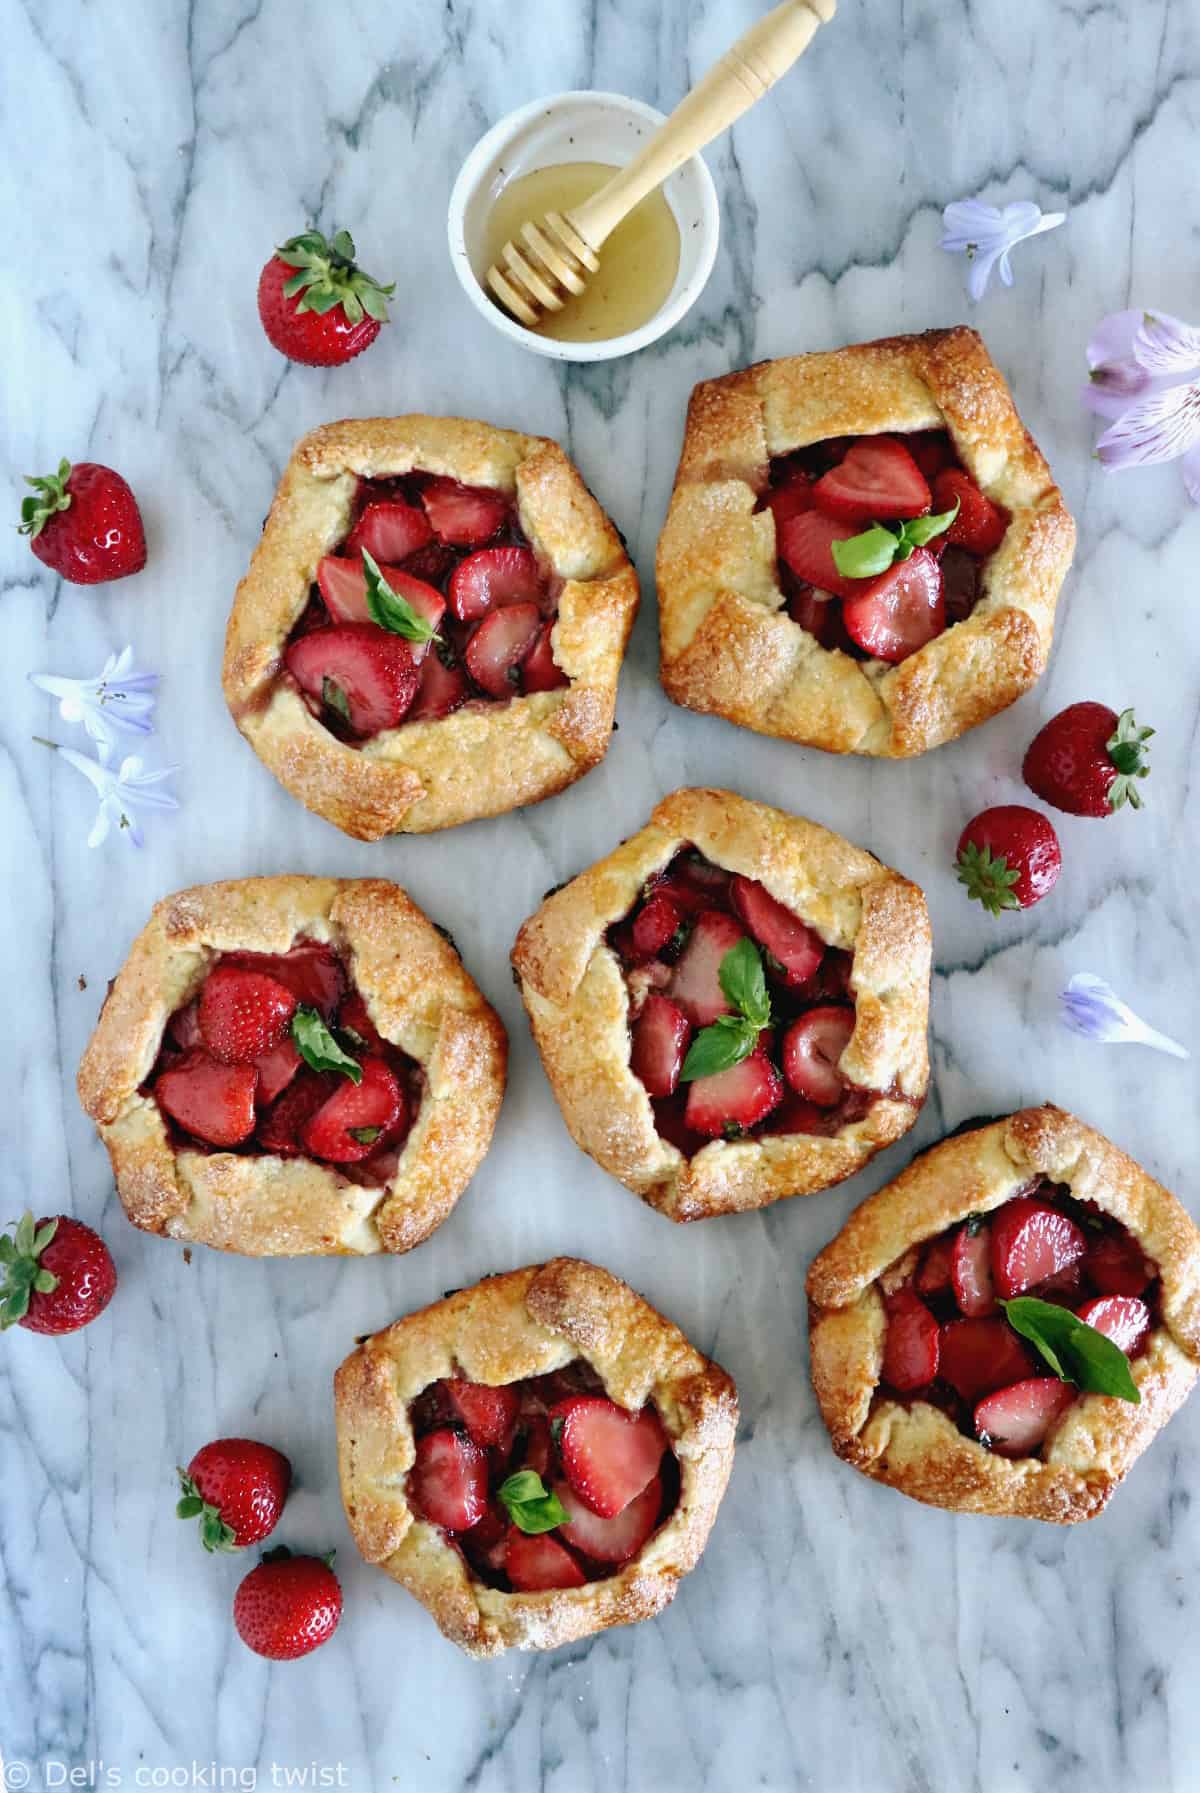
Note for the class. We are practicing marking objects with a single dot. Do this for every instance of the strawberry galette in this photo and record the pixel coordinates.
(1005, 1327)
(290, 1065)
(535, 1458)
(731, 1007)
(864, 548)
(432, 625)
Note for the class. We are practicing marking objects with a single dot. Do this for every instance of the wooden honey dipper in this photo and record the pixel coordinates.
(554, 258)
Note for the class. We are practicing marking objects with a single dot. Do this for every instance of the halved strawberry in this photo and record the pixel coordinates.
(795, 1115)
(696, 983)
(979, 1356)
(280, 1128)
(361, 672)
(448, 1483)
(971, 1272)
(897, 613)
(730, 1102)
(812, 1046)
(348, 1127)
(488, 1413)
(466, 516)
(608, 1454)
(276, 1069)
(610, 1540)
(389, 532)
(655, 925)
(243, 1014)
(1116, 1264)
(931, 450)
(1031, 1243)
(541, 671)
(499, 645)
(776, 928)
(912, 1343)
(660, 1041)
(791, 499)
(311, 970)
(933, 1276)
(821, 614)
(877, 479)
(211, 1100)
(805, 543)
(493, 577)
(484, 1545)
(1122, 1318)
(980, 525)
(343, 586)
(536, 1561)
(442, 690)
(1015, 1420)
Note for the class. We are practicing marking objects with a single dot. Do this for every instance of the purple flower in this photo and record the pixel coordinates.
(121, 792)
(1144, 376)
(1092, 1008)
(118, 700)
(986, 236)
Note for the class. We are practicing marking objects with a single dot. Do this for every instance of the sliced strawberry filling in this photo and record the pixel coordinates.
(389, 532)
(356, 672)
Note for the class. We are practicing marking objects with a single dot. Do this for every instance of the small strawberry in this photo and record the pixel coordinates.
(389, 531)
(448, 1485)
(1122, 1318)
(537, 1561)
(806, 545)
(899, 611)
(281, 1126)
(609, 1540)
(276, 1069)
(499, 645)
(980, 525)
(656, 924)
(971, 1272)
(213, 1101)
(790, 499)
(1032, 1242)
(494, 577)
(912, 1344)
(353, 1122)
(696, 981)
(795, 947)
(1086, 760)
(728, 1103)
(812, 1047)
(1015, 1420)
(311, 970)
(661, 1035)
(1008, 857)
(980, 1356)
(608, 1453)
(360, 672)
(489, 1413)
(243, 1014)
(236, 1487)
(84, 523)
(443, 687)
(877, 479)
(465, 516)
(288, 1606)
(58, 1275)
(933, 1277)
(316, 306)
(343, 585)
(541, 671)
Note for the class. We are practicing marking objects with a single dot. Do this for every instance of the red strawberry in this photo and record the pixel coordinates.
(979, 1356)
(1063, 1288)
(494, 577)
(795, 1115)
(311, 970)
(541, 671)
(980, 525)
(83, 522)
(1031, 1243)
(696, 984)
(236, 1487)
(933, 1277)
(364, 674)
(911, 1347)
(243, 1014)
(931, 450)
(58, 1275)
(536, 1562)
(731, 1102)
(488, 1413)
(1122, 1318)
(1086, 760)
(484, 1544)
(288, 1606)
(213, 1101)
(343, 586)
(778, 930)
(315, 305)
(499, 645)
(348, 1127)
(389, 531)
(660, 1041)
(1116, 1265)
(812, 1047)
(791, 499)
(1014, 1421)
(608, 1454)
(466, 516)
(281, 1126)
(448, 1485)
(900, 611)
(442, 690)
(805, 544)
(877, 479)
(1008, 857)
(276, 1069)
(821, 615)
(655, 925)
(960, 580)
(971, 1272)
(610, 1540)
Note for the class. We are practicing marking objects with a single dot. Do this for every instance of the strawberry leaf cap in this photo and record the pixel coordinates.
(1126, 748)
(19, 1254)
(215, 1534)
(49, 496)
(988, 880)
(327, 275)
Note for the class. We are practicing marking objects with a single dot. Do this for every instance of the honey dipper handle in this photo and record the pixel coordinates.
(735, 83)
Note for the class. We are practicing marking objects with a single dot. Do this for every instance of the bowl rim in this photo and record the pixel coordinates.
(610, 348)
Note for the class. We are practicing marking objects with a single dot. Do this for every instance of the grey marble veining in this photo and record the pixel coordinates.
(836, 1637)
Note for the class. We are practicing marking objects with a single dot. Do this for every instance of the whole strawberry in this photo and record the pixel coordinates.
(84, 523)
(1008, 857)
(1086, 760)
(316, 306)
(288, 1606)
(243, 1013)
(236, 1487)
(58, 1275)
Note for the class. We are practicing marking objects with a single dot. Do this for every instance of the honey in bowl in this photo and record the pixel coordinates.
(638, 262)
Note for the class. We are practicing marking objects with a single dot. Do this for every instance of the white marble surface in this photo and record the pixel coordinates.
(836, 1636)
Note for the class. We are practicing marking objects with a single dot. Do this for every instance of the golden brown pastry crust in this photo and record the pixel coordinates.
(917, 1448)
(419, 996)
(526, 1323)
(577, 1001)
(728, 645)
(481, 760)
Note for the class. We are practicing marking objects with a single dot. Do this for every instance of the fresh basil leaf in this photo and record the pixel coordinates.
(865, 555)
(1075, 1351)
(529, 1504)
(392, 611)
(334, 698)
(919, 530)
(366, 1136)
(726, 1043)
(318, 1048)
(744, 982)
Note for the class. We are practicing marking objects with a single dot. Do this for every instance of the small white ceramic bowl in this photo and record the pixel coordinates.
(579, 127)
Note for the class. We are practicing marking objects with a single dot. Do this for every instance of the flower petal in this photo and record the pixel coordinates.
(1166, 345)
(99, 777)
(968, 221)
(1159, 428)
(1191, 473)
(1113, 338)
